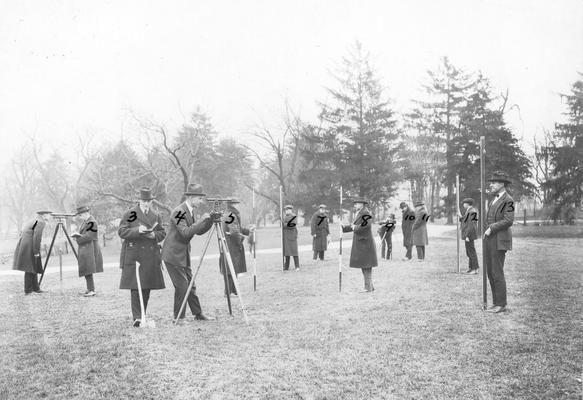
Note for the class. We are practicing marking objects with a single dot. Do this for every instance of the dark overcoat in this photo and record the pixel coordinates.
(469, 223)
(27, 253)
(407, 226)
(136, 247)
(176, 249)
(90, 259)
(419, 229)
(364, 250)
(290, 235)
(235, 235)
(319, 227)
(500, 218)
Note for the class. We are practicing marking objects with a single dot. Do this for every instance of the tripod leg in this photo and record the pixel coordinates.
(49, 253)
(223, 268)
(143, 312)
(70, 241)
(229, 260)
(191, 283)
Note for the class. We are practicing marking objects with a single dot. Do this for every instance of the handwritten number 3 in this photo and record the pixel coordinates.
(133, 216)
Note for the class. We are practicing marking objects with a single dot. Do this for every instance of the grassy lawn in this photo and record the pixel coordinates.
(420, 335)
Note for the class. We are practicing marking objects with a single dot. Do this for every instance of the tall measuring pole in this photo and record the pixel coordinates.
(483, 218)
(457, 220)
(281, 219)
(340, 245)
(254, 245)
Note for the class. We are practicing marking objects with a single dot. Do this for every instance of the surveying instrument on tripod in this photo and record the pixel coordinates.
(61, 219)
(216, 215)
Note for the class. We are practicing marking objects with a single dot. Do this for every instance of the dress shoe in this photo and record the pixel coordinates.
(496, 309)
(89, 293)
(201, 317)
(40, 291)
(472, 272)
(297, 269)
(405, 259)
(137, 323)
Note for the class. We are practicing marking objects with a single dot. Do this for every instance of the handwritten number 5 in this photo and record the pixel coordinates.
(232, 219)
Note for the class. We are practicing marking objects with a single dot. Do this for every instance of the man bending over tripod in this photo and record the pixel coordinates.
(176, 250)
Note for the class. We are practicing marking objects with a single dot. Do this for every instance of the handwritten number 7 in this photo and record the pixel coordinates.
(322, 218)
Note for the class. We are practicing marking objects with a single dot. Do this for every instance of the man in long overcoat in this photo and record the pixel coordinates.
(290, 238)
(141, 230)
(235, 234)
(27, 253)
(89, 259)
(469, 228)
(419, 230)
(363, 254)
(320, 231)
(176, 251)
(386, 234)
(407, 226)
(498, 238)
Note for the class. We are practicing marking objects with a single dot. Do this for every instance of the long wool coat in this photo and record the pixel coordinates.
(290, 235)
(29, 245)
(499, 219)
(176, 249)
(137, 247)
(364, 251)
(235, 235)
(319, 227)
(407, 226)
(90, 259)
(419, 229)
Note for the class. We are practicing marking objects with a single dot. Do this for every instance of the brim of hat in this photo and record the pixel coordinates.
(81, 212)
(499, 180)
(194, 194)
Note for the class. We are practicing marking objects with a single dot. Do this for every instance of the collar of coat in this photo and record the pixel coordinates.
(147, 220)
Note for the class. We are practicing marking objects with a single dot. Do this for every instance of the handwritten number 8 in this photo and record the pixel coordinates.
(365, 219)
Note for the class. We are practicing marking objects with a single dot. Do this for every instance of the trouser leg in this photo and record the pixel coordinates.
(488, 244)
(367, 273)
(28, 282)
(297, 261)
(90, 283)
(286, 264)
(321, 255)
(497, 268)
(135, 299)
(383, 246)
(315, 254)
(420, 252)
(409, 248)
(472, 255)
(181, 277)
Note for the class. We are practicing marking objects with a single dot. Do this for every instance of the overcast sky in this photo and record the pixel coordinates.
(74, 66)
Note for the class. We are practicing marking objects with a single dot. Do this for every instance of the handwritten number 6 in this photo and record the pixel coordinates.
(290, 223)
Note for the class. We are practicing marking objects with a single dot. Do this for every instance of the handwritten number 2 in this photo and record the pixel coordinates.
(133, 216)
(91, 226)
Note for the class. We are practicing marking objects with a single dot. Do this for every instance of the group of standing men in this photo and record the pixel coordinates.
(142, 232)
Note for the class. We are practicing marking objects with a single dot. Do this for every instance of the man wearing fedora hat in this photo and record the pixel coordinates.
(235, 235)
(419, 230)
(89, 257)
(320, 231)
(27, 253)
(176, 250)
(290, 238)
(141, 230)
(498, 238)
(469, 230)
(363, 254)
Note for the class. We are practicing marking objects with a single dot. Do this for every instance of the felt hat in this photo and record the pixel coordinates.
(322, 206)
(146, 194)
(468, 200)
(194, 189)
(499, 177)
(419, 203)
(402, 205)
(288, 207)
(82, 209)
(360, 200)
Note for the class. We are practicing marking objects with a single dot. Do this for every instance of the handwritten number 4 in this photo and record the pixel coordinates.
(180, 216)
